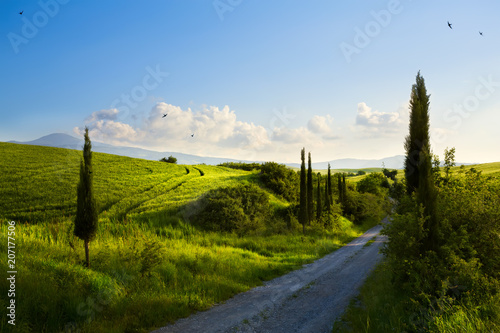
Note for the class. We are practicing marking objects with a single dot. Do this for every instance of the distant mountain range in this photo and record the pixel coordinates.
(67, 141)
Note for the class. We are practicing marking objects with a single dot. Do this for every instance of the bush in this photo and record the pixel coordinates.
(360, 207)
(464, 269)
(240, 165)
(242, 209)
(281, 180)
(170, 159)
(374, 183)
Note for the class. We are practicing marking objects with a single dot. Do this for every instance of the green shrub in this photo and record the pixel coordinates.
(243, 208)
(360, 207)
(281, 180)
(374, 183)
(449, 285)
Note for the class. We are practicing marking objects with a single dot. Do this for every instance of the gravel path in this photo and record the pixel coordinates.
(305, 300)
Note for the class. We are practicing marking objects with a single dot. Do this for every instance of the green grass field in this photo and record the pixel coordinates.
(149, 266)
(39, 183)
(487, 169)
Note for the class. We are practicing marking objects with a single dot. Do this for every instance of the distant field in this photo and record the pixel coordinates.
(487, 169)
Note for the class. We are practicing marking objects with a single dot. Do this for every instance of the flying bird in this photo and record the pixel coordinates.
(165, 115)
(449, 24)
(21, 12)
(192, 135)
(480, 33)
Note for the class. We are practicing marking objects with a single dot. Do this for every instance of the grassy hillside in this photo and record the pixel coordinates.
(148, 266)
(39, 183)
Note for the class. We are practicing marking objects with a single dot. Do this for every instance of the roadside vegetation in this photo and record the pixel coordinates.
(441, 272)
(171, 239)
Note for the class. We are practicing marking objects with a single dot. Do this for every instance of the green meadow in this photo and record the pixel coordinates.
(149, 265)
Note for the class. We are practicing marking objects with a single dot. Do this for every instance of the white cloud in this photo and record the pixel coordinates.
(367, 117)
(378, 123)
(320, 125)
(215, 131)
(110, 114)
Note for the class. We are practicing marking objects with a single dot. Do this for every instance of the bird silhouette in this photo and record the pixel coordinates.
(480, 33)
(21, 12)
(192, 135)
(449, 24)
(165, 115)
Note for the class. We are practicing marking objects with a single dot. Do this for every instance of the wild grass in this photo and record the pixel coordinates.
(143, 276)
(381, 308)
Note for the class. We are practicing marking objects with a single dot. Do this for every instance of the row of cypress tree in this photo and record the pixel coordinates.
(306, 202)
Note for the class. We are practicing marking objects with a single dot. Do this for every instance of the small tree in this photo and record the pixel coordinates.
(170, 159)
(449, 161)
(310, 203)
(86, 207)
(303, 191)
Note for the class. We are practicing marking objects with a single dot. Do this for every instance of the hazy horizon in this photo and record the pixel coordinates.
(252, 80)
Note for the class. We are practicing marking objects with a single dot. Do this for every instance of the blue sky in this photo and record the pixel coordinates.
(252, 79)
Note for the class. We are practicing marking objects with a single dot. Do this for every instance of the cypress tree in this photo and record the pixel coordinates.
(303, 192)
(418, 137)
(339, 185)
(330, 185)
(319, 209)
(86, 207)
(310, 189)
(327, 199)
(344, 189)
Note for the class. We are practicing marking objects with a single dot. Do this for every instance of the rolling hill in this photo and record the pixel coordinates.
(39, 183)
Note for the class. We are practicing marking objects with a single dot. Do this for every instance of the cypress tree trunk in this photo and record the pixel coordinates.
(87, 254)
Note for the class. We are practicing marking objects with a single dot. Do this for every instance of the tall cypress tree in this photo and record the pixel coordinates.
(328, 206)
(418, 137)
(340, 188)
(319, 209)
(303, 191)
(344, 189)
(329, 180)
(86, 208)
(310, 201)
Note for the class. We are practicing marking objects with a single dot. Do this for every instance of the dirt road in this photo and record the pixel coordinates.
(305, 300)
